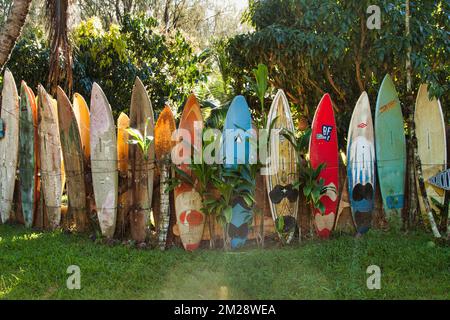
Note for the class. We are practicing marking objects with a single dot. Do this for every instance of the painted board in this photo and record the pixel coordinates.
(283, 198)
(361, 164)
(236, 152)
(323, 148)
(188, 202)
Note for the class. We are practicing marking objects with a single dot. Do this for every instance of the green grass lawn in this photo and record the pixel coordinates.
(34, 266)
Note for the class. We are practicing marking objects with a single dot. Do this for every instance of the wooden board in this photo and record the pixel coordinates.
(361, 165)
(431, 144)
(73, 159)
(390, 148)
(50, 158)
(83, 117)
(27, 150)
(103, 142)
(142, 168)
(9, 144)
(54, 105)
(323, 148)
(283, 198)
(237, 152)
(188, 202)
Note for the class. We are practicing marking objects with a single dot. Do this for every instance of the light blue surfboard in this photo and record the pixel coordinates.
(390, 148)
(236, 149)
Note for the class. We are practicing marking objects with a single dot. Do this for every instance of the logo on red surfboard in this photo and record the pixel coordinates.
(326, 133)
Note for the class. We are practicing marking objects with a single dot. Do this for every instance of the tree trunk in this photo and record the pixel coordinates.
(164, 219)
(12, 29)
(411, 207)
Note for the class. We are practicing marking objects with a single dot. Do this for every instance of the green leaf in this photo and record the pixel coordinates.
(228, 214)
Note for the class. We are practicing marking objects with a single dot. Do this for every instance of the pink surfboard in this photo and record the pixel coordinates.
(323, 148)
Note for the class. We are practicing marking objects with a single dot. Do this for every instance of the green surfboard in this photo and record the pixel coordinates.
(390, 148)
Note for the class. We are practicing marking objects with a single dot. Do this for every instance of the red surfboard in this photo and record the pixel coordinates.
(323, 148)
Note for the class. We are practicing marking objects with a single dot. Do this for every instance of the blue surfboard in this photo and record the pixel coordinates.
(236, 152)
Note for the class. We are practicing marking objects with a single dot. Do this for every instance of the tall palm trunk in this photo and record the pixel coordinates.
(12, 29)
(57, 12)
(411, 165)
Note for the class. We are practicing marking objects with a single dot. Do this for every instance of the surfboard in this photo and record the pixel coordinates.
(123, 122)
(431, 144)
(103, 143)
(236, 148)
(164, 129)
(283, 198)
(38, 220)
(323, 148)
(73, 158)
(82, 115)
(9, 144)
(390, 149)
(441, 180)
(50, 158)
(27, 158)
(188, 202)
(361, 164)
(142, 167)
(54, 105)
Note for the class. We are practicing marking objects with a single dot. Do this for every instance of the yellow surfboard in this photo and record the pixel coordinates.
(83, 117)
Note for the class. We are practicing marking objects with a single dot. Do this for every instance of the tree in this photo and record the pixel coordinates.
(313, 47)
(13, 28)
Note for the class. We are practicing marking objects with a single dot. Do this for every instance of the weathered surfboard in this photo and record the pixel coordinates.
(323, 148)
(73, 159)
(103, 142)
(27, 159)
(431, 144)
(9, 144)
(390, 149)
(283, 198)
(50, 158)
(54, 106)
(83, 117)
(38, 219)
(188, 202)
(236, 148)
(361, 165)
(142, 166)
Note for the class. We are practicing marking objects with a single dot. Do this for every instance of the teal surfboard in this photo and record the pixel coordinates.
(236, 149)
(390, 148)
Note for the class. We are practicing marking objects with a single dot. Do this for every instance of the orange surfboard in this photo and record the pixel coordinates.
(188, 202)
